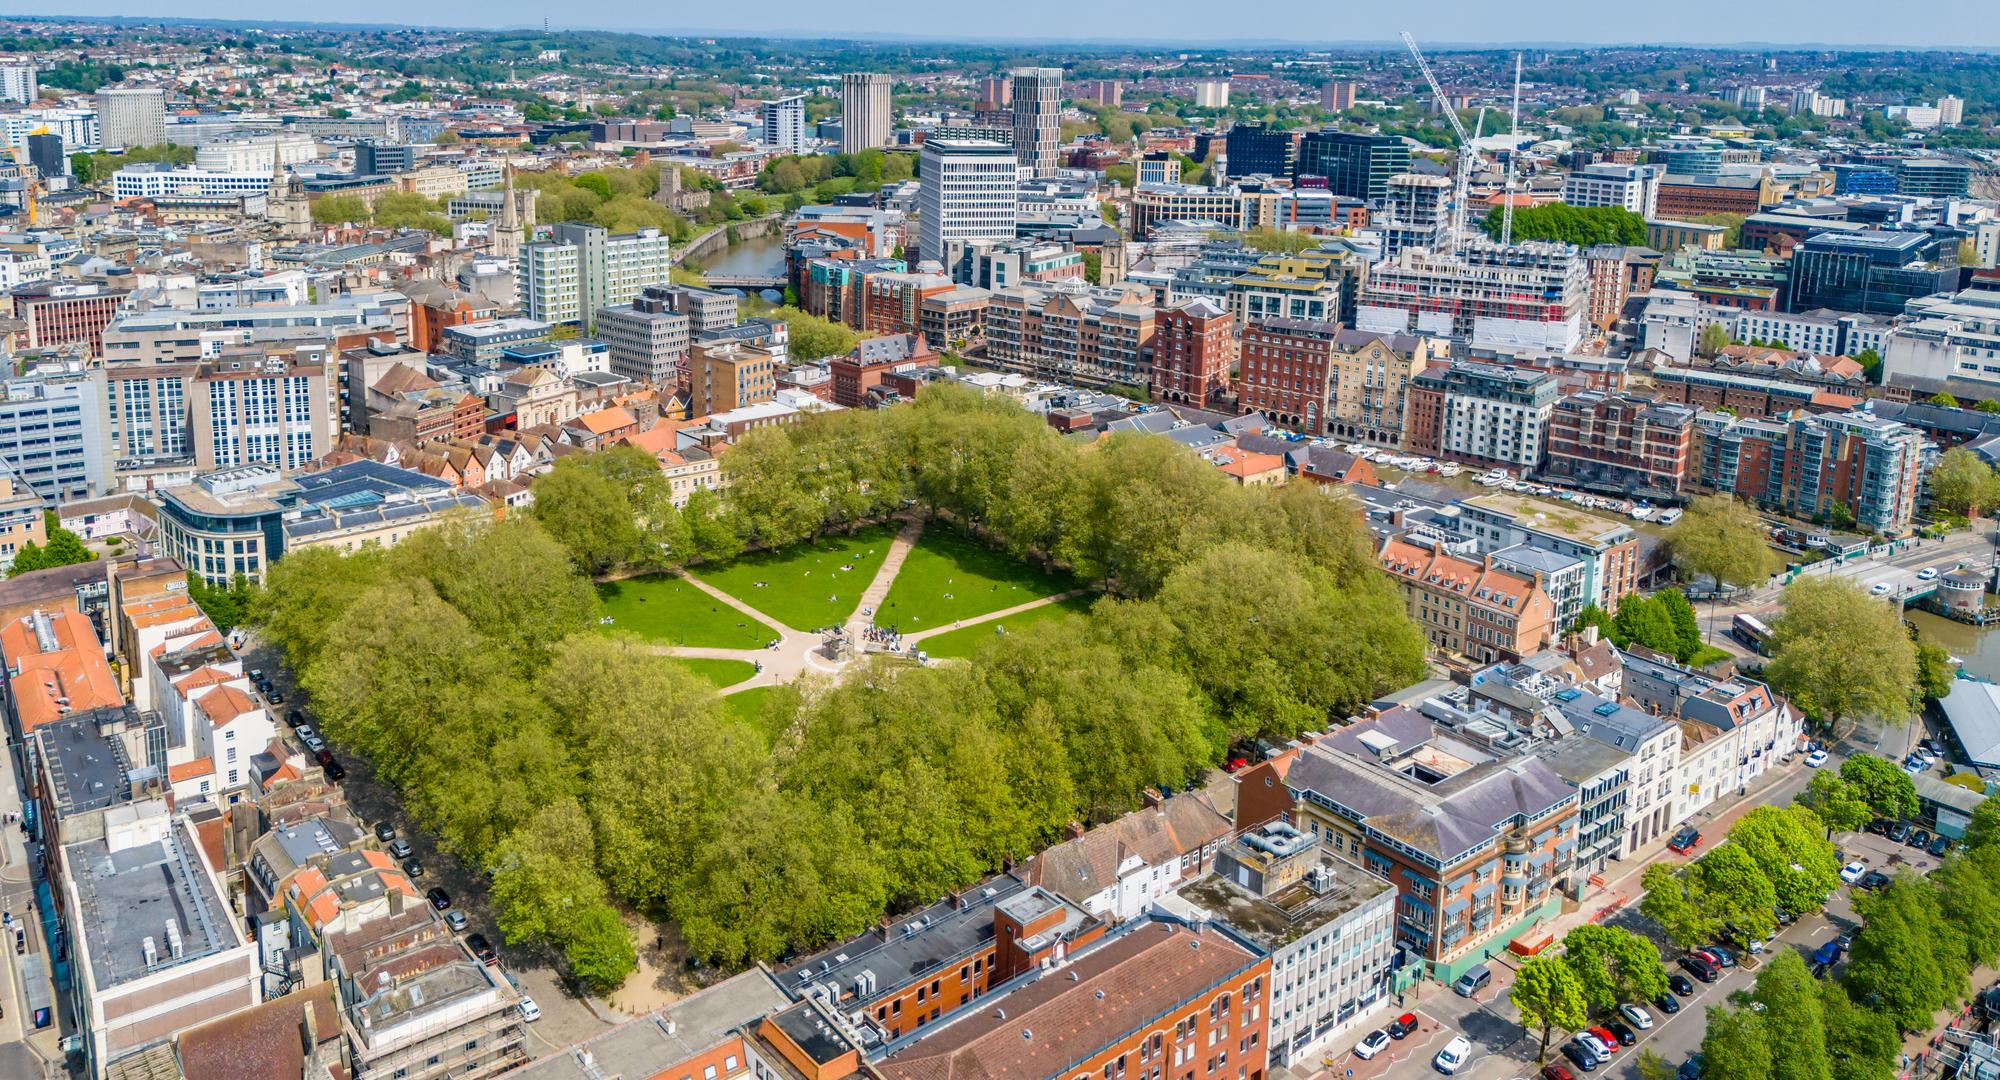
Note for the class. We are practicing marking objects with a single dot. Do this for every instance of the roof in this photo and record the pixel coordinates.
(1057, 1019)
(263, 1042)
(1081, 868)
(604, 421)
(130, 894)
(60, 665)
(655, 1043)
(1289, 914)
(1973, 711)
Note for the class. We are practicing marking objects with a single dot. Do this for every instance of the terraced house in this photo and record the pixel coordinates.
(1475, 842)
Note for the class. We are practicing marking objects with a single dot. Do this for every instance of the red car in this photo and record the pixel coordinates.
(1605, 1036)
(1557, 1072)
(1685, 840)
(1404, 1024)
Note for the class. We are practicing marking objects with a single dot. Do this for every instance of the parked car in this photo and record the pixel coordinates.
(1932, 747)
(1637, 1015)
(307, 731)
(1828, 953)
(481, 948)
(1557, 1072)
(1371, 1044)
(1700, 968)
(1679, 984)
(1667, 1003)
(334, 770)
(384, 831)
(1940, 845)
(1621, 1031)
(1608, 1037)
(1873, 879)
(1402, 1026)
(530, 1011)
(1852, 872)
(1815, 759)
(1719, 956)
(295, 717)
(1693, 1067)
(1475, 979)
(413, 868)
(1898, 832)
(1880, 826)
(1920, 839)
(1452, 1058)
(323, 756)
(1582, 1055)
(456, 920)
(1848, 935)
(1597, 1044)
(275, 697)
(439, 898)
(400, 848)
(1685, 840)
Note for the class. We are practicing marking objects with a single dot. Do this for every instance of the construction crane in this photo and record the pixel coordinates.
(1462, 183)
(1513, 148)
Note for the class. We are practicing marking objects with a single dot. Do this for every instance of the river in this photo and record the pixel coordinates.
(1977, 647)
(759, 255)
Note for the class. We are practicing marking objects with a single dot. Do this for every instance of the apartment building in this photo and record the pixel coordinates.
(1804, 465)
(727, 375)
(1072, 332)
(1287, 371)
(1733, 729)
(1194, 350)
(968, 189)
(864, 110)
(54, 432)
(1494, 415)
(648, 339)
(1628, 187)
(1469, 607)
(1490, 295)
(1120, 869)
(1616, 441)
(582, 269)
(859, 374)
(1608, 548)
(1476, 842)
(1037, 111)
(58, 313)
(784, 128)
(1372, 378)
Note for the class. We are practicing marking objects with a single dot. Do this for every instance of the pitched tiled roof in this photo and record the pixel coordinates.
(1081, 868)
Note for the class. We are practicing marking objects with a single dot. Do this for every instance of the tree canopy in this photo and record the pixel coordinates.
(1841, 653)
(64, 548)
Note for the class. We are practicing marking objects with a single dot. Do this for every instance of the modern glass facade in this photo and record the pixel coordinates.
(1356, 166)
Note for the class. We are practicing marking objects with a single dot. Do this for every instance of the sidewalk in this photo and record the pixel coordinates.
(19, 1047)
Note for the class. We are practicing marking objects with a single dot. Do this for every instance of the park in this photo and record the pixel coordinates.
(756, 622)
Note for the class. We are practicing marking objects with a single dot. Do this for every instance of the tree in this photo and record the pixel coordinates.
(1861, 1043)
(543, 875)
(814, 338)
(1793, 1005)
(599, 949)
(1283, 241)
(1789, 847)
(1579, 225)
(1686, 625)
(1725, 886)
(1839, 805)
(1652, 1066)
(1882, 784)
(340, 210)
(1720, 538)
(1713, 340)
(1942, 399)
(1737, 1046)
(588, 515)
(1909, 961)
(1968, 887)
(1548, 996)
(64, 548)
(1840, 653)
(1935, 670)
(1963, 483)
(1613, 964)
(226, 606)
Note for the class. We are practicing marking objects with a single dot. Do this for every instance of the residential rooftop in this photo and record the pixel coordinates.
(1290, 913)
(150, 889)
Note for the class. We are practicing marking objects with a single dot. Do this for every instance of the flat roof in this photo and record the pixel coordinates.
(134, 893)
(667, 1037)
(1290, 913)
(1549, 517)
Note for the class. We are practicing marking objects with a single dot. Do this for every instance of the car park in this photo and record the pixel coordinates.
(1371, 1044)
(1582, 1055)
(1815, 759)
(1667, 1003)
(1680, 984)
(1852, 872)
(1402, 1026)
(1685, 840)
(439, 899)
(1452, 1058)
(530, 1011)
(1637, 1016)
(400, 848)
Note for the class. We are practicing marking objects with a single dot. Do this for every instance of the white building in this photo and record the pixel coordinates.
(1824, 333)
(1328, 924)
(968, 190)
(1211, 94)
(132, 117)
(256, 153)
(18, 84)
(153, 180)
(583, 268)
(864, 110)
(1733, 730)
(1946, 337)
(1951, 110)
(1630, 187)
(76, 127)
(785, 124)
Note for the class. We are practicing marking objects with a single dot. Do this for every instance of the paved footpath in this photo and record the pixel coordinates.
(1003, 613)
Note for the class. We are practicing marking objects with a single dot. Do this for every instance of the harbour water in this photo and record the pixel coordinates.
(759, 255)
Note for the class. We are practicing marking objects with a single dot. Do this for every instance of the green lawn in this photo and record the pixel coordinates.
(949, 577)
(665, 609)
(720, 673)
(805, 587)
(959, 643)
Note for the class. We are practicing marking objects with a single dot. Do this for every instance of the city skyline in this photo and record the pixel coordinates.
(1450, 24)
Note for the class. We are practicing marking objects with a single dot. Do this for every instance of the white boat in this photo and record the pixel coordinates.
(1668, 516)
(1448, 469)
(1641, 513)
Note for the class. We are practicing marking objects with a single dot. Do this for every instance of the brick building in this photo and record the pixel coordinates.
(1194, 348)
(1620, 442)
(1468, 606)
(1072, 332)
(1286, 371)
(1373, 376)
(859, 373)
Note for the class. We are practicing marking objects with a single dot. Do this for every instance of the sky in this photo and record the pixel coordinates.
(1922, 23)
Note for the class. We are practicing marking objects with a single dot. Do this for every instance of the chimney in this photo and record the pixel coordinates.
(395, 902)
(1150, 797)
(309, 1028)
(1076, 830)
(1590, 635)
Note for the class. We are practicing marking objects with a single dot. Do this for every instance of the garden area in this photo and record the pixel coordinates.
(959, 643)
(949, 577)
(806, 586)
(666, 610)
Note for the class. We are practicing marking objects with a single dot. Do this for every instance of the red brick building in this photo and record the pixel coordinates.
(435, 305)
(1621, 441)
(858, 374)
(1423, 416)
(1286, 371)
(1194, 346)
(65, 313)
(892, 303)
